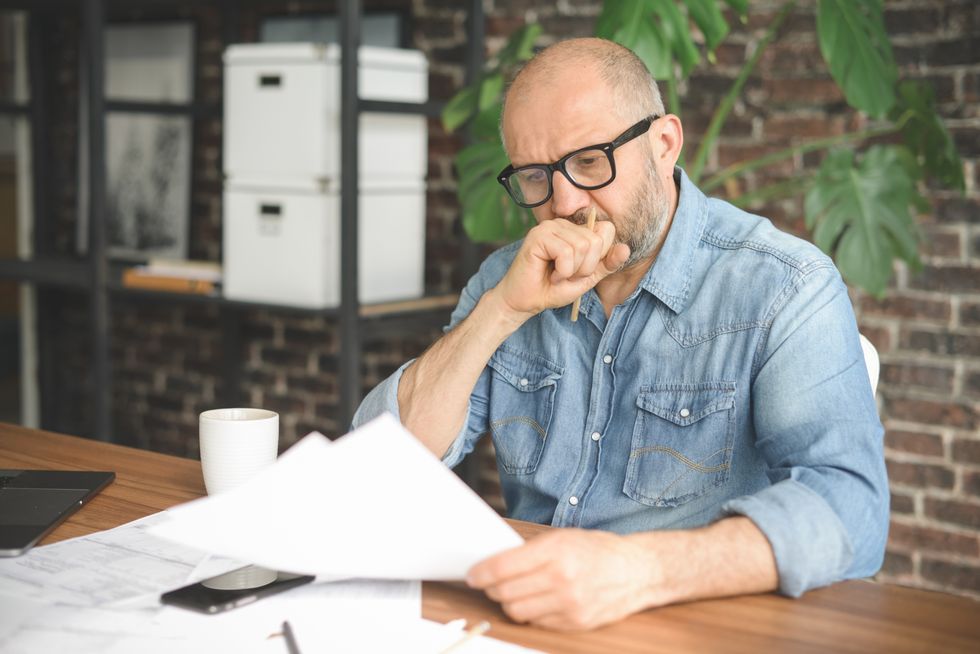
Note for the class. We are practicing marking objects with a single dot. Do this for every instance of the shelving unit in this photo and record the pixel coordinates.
(100, 280)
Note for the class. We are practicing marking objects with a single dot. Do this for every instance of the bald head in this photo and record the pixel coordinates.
(632, 92)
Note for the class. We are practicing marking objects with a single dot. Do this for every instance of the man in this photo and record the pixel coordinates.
(706, 427)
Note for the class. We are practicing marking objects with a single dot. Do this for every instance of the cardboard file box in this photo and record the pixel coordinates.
(282, 243)
(282, 112)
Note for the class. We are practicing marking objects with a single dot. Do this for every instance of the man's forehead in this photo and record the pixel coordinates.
(553, 117)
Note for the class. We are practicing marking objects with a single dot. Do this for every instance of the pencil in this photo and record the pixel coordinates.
(291, 645)
(471, 633)
(578, 301)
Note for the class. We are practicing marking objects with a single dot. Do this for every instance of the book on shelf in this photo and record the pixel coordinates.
(201, 277)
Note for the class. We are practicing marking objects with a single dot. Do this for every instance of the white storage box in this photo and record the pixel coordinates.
(282, 112)
(282, 243)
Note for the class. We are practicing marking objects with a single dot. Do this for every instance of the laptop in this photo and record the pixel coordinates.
(33, 502)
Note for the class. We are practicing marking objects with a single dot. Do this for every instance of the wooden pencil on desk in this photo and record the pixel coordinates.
(578, 301)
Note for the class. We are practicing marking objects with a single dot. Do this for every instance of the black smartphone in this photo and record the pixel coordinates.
(233, 589)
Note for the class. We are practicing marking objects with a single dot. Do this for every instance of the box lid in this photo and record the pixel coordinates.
(266, 184)
(300, 53)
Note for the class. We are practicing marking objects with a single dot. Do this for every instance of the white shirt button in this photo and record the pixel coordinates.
(523, 381)
(685, 413)
(596, 436)
(607, 358)
(573, 500)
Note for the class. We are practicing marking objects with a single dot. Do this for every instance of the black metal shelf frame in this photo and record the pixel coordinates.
(95, 276)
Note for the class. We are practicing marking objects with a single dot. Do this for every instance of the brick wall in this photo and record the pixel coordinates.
(927, 330)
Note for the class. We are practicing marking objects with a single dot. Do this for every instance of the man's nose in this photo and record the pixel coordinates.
(566, 198)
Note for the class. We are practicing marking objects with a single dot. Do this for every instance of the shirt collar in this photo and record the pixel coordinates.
(670, 276)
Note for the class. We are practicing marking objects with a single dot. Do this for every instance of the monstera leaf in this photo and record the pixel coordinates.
(925, 134)
(855, 46)
(658, 30)
(489, 215)
(859, 213)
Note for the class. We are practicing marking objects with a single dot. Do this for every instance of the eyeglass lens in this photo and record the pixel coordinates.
(586, 169)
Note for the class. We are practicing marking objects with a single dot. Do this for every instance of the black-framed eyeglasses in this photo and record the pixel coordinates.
(588, 168)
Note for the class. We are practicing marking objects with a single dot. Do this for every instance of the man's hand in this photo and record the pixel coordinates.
(569, 579)
(558, 262)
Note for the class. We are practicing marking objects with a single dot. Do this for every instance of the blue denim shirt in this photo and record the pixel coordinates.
(731, 381)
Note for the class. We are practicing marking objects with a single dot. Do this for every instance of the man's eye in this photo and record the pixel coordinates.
(585, 162)
(535, 176)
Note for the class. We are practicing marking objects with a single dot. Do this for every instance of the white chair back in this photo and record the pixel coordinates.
(871, 361)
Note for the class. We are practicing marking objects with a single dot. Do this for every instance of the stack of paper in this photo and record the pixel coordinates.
(375, 504)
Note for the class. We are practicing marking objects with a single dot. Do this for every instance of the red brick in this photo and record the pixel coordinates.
(955, 575)
(798, 91)
(932, 412)
(947, 279)
(901, 503)
(955, 512)
(971, 484)
(896, 564)
(904, 306)
(915, 21)
(915, 537)
(971, 385)
(956, 210)
(970, 314)
(911, 375)
(943, 342)
(966, 451)
(789, 127)
(940, 243)
(921, 475)
(880, 337)
(914, 443)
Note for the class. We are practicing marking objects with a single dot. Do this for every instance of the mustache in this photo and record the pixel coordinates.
(581, 217)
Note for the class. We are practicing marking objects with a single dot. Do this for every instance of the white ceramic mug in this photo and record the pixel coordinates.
(235, 444)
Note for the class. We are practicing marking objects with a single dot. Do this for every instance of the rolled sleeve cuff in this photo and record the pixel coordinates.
(383, 398)
(809, 541)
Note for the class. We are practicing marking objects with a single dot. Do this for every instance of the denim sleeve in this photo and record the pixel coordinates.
(384, 396)
(826, 513)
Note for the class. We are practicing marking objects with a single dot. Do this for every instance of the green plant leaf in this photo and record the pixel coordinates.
(859, 213)
(741, 7)
(855, 46)
(629, 23)
(489, 215)
(707, 15)
(519, 47)
(491, 91)
(925, 134)
(459, 108)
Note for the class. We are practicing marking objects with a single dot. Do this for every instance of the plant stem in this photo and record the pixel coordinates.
(781, 189)
(745, 166)
(721, 113)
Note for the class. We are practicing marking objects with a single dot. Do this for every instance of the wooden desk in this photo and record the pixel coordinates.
(855, 616)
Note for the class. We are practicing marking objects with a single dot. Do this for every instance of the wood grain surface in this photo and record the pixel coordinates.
(853, 616)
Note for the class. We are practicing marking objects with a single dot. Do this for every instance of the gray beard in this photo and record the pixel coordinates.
(642, 226)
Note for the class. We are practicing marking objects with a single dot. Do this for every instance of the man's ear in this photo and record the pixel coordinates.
(666, 139)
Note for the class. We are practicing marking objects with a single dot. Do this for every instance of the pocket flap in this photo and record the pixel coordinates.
(525, 371)
(684, 404)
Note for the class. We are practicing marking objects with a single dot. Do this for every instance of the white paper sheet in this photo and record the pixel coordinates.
(402, 636)
(118, 565)
(374, 504)
(98, 630)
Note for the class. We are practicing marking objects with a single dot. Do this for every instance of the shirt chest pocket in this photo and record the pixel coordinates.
(522, 400)
(682, 442)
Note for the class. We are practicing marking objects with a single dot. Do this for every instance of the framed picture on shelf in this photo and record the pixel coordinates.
(148, 155)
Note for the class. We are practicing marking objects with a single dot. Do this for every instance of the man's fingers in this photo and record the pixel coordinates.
(534, 607)
(509, 564)
(521, 587)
